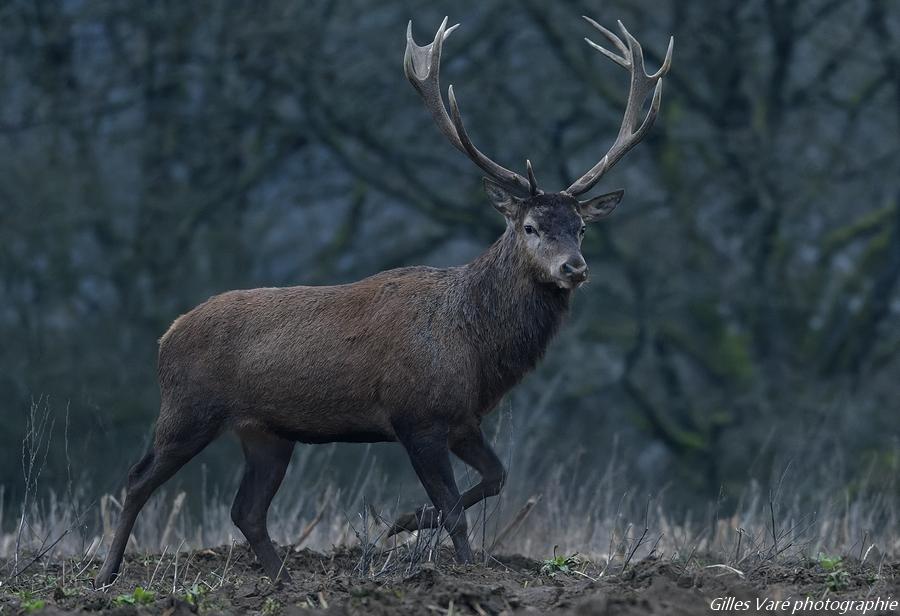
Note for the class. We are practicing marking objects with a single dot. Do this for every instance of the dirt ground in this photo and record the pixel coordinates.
(228, 581)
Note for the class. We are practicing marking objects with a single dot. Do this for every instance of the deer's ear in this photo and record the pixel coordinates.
(599, 207)
(506, 204)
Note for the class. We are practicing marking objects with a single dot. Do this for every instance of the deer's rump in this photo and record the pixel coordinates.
(317, 364)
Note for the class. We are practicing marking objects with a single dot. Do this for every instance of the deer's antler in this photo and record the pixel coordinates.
(422, 66)
(630, 134)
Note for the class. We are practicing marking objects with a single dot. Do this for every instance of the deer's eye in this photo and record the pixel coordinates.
(530, 230)
(582, 230)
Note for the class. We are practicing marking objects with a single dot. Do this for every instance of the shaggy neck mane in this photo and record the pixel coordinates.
(509, 315)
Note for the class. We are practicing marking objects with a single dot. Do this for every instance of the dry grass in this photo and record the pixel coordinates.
(594, 511)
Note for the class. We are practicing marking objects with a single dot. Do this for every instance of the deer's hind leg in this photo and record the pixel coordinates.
(267, 458)
(177, 439)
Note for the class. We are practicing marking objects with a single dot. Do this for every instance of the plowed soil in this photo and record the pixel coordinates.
(228, 581)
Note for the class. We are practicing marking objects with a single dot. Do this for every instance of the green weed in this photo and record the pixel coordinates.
(194, 594)
(138, 597)
(559, 563)
(829, 563)
(29, 603)
(837, 579)
(271, 607)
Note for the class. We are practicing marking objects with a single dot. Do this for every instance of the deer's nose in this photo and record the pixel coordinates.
(575, 269)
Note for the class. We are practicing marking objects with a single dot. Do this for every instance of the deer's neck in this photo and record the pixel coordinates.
(509, 316)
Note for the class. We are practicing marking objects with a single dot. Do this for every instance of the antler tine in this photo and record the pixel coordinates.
(620, 61)
(615, 40)
(422, 68)
(532, 181)
(635, 51)
(641, 86)
(510, 179)
(667, 62)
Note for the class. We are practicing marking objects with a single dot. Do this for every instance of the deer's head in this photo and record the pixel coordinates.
(548, 227)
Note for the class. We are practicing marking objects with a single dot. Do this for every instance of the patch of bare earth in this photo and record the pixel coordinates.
(228, 581)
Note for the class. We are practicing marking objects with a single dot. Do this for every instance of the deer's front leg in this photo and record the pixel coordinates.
(429, 453)
(473, 449)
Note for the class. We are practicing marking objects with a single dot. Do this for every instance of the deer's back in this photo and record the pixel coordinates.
(323, 363)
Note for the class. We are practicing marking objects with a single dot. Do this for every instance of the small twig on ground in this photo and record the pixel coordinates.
(284, 560)
(158, 563)
(737, 550)
(175, 572)
(774, 529)
(516, 522)
(640, 541)
(308, 529)
(173, 516)
(227, 562)
(582, 574)
(862, 546)
(39, 555)
(727, 568)
(635, 548)
(89, 557)
(690, 557)
(187, 566)
(36, 429)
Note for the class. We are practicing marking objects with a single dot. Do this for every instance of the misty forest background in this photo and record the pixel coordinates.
(741, 323)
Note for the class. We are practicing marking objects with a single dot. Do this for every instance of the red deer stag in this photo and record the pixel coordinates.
(417, 355)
